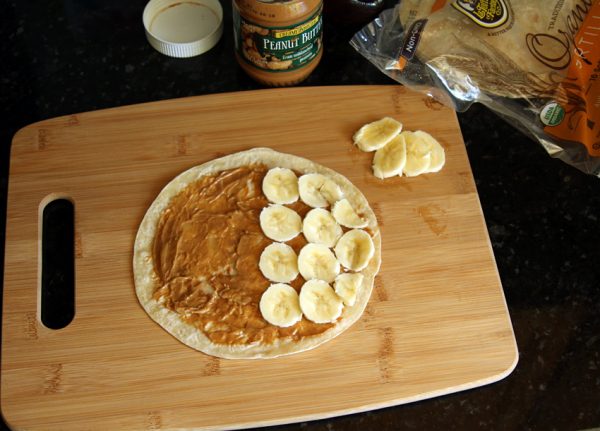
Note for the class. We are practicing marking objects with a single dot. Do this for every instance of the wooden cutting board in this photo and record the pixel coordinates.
(437, 321)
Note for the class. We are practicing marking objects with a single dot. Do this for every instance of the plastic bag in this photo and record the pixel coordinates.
(536, 63)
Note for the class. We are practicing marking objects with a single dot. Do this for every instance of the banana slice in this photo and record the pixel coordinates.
(278, 262)
(346, 286)
(316, 261)
(280, 305)
(355, 249)
(438, 155)
(418, 155)
(320, 227)
(318, 191)
(280, 223)
(280, 186)
(331, 191)
(319, 302)
(390, 160)
(375, 135)
(346, 215)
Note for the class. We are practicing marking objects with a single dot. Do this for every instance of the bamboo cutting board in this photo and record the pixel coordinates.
(437, 321)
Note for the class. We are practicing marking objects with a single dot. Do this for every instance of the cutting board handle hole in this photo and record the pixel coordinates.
(57, 296)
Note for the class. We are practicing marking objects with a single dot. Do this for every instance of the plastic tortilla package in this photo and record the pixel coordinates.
(536, 63)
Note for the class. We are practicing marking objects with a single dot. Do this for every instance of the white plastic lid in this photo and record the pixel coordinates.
(183, 28)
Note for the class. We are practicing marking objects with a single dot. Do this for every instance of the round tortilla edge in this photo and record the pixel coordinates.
(145, 277)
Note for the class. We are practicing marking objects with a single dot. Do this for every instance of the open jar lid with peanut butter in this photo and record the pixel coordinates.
(183, 28)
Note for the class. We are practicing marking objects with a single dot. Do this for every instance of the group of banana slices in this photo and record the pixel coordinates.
(399, 152)
(321, 260)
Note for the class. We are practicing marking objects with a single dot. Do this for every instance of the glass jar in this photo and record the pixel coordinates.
(278, 42)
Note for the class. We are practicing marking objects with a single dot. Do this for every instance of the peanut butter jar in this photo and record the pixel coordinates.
(278, 42)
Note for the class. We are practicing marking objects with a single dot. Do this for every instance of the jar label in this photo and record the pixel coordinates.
(278, 49)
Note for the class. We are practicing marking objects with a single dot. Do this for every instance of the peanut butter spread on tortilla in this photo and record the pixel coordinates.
(206, 252)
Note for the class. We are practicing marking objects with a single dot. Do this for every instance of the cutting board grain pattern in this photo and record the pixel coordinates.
(437, 321)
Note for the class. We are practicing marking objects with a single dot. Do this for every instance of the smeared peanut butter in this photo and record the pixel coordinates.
(206, 251)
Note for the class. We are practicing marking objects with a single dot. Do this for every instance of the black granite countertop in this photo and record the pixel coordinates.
(63, 57)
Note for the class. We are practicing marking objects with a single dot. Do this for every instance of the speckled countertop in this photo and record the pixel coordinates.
(63, 57)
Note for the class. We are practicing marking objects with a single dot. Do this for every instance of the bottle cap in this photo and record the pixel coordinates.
(183, 28)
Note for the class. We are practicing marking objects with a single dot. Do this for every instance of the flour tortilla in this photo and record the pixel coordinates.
(469, 57)
(146, 278)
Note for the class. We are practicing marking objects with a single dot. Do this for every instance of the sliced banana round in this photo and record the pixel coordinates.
(390, 160)
(280, 223)
(418, 155)
(320, 227)
(355, 249)
(278, 262)
(318, 191)
(280, 186)
(346, 215)
(346, 286)
(377, 134)
(331, 191)
(319, 302)
(280, 305)
(438, 155)
(317, 261)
